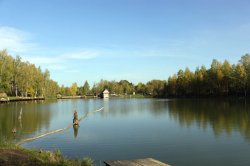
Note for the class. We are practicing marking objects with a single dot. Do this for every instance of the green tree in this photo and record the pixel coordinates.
(23, 78)
(86, 88)
(227, 79)
(171, 89)
(156, 88)
(199, 82)
(140, 88)
(73, 89)
(127, 87)
(245, 61)
(215, 77)
(188, 81)
(180, 83)
(5, 71)
(240, 79)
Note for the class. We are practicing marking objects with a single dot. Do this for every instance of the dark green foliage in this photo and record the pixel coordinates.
(84, 90)
(87, 161)
(222, 79)
(19, 78)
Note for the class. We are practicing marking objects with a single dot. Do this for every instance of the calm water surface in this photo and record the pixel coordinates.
(178, 132)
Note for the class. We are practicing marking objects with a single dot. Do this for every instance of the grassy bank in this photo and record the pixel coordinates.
(15, 155)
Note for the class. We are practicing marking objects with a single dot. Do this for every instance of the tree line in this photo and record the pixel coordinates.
(221, 79)
(18, 78)
(122, 87)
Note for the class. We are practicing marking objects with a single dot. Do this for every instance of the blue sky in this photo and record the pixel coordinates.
(137, 40)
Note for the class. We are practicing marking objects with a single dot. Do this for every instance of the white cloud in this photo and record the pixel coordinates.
(23, 43)
(57, 67)
(55, 62)
(15, 40)
(89, 54)
(41, 60)
(20, 42)
(72, 71)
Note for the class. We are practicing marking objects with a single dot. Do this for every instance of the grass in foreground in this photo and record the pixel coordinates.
(15, 155)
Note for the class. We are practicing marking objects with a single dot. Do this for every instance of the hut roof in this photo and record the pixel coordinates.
(105, 91)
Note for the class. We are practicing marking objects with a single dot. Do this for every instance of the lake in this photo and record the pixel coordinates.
(178, 132)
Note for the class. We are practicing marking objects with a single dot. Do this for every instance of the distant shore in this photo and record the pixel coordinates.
(77, 97)
(111, 96)
(15, 99)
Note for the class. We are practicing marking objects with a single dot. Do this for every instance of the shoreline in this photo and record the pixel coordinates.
(16, 99)
(21, 99)
(17, 155)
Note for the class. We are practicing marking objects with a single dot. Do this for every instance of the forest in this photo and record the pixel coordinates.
(221, 79)
(19, 78)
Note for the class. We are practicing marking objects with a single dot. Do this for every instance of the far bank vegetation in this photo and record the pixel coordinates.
(19, 78)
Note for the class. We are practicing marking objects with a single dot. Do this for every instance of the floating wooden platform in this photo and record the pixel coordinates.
(136, 162)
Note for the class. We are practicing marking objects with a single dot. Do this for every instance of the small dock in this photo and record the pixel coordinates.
(136, 162)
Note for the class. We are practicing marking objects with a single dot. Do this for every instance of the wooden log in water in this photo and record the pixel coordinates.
(40, 136)
(58, 130)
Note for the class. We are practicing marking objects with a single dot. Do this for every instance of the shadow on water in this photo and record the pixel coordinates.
(223, 116)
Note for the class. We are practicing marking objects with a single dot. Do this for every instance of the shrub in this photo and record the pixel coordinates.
(3, 95)
(87, 161)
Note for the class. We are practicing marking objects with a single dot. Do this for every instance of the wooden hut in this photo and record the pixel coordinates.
(105, 94)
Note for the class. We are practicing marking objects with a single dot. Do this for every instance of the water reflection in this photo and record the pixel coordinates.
(106, 105)
(75, 128)
(125, 107)
(223, 116)
(174, 131)
(32, 118)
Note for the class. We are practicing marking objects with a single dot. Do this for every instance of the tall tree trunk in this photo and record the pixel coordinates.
(35, 92)
(16, 90)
